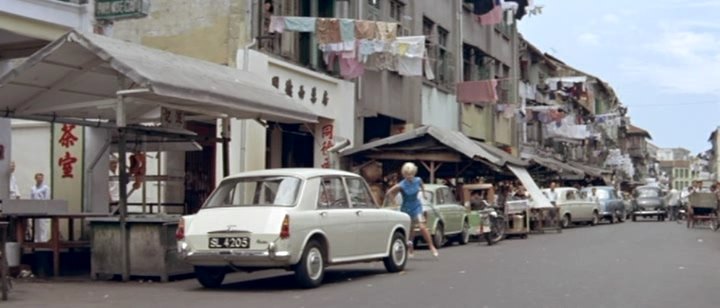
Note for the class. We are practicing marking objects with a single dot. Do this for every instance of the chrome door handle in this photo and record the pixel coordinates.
(323, 214)
(358, 212)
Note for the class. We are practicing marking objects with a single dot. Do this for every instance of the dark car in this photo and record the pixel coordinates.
(648, 201)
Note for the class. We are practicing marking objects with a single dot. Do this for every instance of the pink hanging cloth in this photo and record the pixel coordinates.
(483, 91)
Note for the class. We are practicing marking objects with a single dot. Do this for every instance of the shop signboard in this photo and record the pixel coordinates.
(121, 9)
(67, 165)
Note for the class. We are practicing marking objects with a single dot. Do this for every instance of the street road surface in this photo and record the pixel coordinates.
(641, 264)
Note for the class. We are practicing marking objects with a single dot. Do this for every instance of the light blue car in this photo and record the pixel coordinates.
(610, 204)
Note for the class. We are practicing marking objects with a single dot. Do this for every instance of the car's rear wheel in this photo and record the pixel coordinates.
(464, 237)
(439, 236)
(397, 257)
(309, 272)
(620, 216)
(633, 217)
(210, 276)
(595, 219)
(566, 221)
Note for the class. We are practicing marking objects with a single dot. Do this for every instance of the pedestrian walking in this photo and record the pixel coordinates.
(40, 191)
(409, 188)
(674, 203)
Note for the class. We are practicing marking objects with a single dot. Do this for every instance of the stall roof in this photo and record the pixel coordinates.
(78, 76)
(554, 164)
(590, 170)
(451, 139)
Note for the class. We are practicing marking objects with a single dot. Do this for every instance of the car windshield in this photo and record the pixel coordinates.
(256, 191)
(647, 193)
(600, 193)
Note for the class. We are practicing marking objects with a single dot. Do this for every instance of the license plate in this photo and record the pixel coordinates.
(229, 242)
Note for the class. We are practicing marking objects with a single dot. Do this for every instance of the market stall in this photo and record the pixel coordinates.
(89, 80)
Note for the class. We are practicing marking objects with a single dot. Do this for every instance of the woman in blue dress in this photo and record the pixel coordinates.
(410, 188)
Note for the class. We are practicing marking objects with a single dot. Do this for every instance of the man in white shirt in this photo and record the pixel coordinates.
(674, 203)
(113, 185)
(40, 191)
(14, 190)
(552, 194)
(593, 197)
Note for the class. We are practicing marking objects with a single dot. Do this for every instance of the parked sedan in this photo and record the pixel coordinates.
(296, 219)
(574, 207)
(445, 218)
(610, 204)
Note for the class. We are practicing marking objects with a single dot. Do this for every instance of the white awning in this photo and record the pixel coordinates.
(80, 75)
(539, 199)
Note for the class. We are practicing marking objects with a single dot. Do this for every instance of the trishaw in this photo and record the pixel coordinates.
(703, 207)
(490, 220)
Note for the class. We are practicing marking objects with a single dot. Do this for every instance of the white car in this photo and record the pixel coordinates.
(574, 206)
(296, 219)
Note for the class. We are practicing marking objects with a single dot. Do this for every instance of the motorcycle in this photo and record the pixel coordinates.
(492, 225)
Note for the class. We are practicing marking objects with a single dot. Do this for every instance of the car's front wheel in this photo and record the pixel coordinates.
(464, 237)
(397, 257)
(210, 276)
(309, 272)
(566, 221)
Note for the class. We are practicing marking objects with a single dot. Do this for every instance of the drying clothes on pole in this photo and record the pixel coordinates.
(347, 30)
(493, 17)
(365, 29)
(428, 69)
(328, 30)
(351, 68)
(386, 31)
(483, 91)
(300, 24)
(277, 24)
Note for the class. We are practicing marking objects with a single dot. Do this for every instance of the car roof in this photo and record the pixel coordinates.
(560, 188)
(598, 187)
(296, 172)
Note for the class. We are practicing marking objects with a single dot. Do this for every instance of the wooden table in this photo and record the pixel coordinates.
(55, 243)
(4, 284)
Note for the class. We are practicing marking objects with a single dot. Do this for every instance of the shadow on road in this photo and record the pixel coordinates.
(285, 282)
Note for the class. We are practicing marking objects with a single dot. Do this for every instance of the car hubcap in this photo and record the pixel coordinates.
(398, 252)
(314, 263)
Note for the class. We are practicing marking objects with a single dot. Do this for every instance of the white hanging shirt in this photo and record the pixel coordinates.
(114, 189)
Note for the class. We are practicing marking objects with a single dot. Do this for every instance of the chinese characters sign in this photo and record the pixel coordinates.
(121, 9)
(67, 139)
(67, 164)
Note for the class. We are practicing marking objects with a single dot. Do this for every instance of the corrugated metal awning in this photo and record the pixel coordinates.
(451, 140)
(555, 165)
(79, 76)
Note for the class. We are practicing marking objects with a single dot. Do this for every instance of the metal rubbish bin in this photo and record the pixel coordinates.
(152, 247)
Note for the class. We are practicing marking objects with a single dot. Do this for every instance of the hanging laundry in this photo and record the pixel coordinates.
(484, 91)
(481, 7)
(300, 24)
(408, 66)
(428, 69)
(493, 17)
(521, 7)
(347, 30)
(509, 111)
(410, 46)
(351, 68)
(328, 30)
(277, 24)
(365, 29)
(365, 49)
(386, 31)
